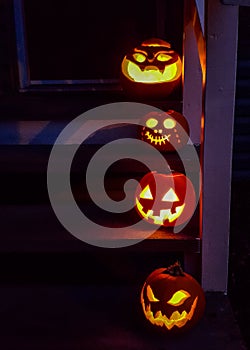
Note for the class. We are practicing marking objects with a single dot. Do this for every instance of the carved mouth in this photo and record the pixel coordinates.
(165, 214)
(176, 319)
(151, 76)
(158, 139)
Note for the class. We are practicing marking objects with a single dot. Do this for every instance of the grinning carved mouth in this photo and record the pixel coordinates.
(157, 139)
(151, 75)
(176, 319)
(165, 214)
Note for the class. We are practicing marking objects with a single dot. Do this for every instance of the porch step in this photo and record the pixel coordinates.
(103, 317)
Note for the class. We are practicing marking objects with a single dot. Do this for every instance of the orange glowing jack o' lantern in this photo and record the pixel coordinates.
(165, 199)
(172, 300)
(151, 70)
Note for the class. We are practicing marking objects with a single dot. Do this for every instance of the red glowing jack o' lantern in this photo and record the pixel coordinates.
(151, 70)
(165, 199)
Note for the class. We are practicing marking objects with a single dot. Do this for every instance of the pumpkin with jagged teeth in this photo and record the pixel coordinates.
(172, 300)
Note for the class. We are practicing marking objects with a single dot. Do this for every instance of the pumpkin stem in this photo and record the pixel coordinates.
(175, 269)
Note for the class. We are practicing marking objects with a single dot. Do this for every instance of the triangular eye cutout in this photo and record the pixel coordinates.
(170, 196)
(146, 193)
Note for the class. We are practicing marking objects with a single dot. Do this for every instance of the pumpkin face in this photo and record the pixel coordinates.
(172, 300)
(151, 70)
(165, 199)
(166, 131)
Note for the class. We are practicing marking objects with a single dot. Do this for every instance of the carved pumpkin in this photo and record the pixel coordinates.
(151, 70)
(166, 131)
(165, 199)
(172, 300)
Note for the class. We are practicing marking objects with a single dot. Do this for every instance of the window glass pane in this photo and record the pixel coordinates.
(87, 39)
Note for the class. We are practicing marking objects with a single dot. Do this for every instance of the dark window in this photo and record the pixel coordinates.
(85, 41)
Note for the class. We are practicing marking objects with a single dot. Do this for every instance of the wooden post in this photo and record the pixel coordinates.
(194, 58)
(193, 74)
(221, 60)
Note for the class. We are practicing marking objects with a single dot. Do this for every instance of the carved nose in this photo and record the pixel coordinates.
(151, 68)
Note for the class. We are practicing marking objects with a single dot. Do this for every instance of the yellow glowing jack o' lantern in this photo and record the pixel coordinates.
(151, 70)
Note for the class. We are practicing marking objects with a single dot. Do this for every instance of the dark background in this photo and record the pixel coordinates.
(64, 44)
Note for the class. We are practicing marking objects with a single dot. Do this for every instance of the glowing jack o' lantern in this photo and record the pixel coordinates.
(151, 70)
(165, 199)
(172, 300)
(166, 131)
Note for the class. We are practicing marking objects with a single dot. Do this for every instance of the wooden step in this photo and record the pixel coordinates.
(35, 228)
